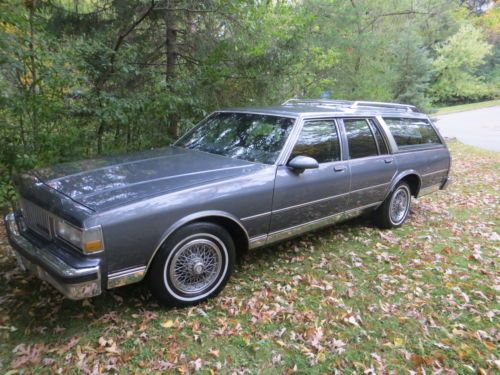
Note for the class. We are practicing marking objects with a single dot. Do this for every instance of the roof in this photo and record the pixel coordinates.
(313, 107)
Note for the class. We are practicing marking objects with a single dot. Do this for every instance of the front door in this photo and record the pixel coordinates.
(301, 198)
(372, 167)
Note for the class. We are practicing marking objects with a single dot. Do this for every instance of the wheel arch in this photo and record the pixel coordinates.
(411, 177)
(229, 222)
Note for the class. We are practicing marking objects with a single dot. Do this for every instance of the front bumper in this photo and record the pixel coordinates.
(74, 282)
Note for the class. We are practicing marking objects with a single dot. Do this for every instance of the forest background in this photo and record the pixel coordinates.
(84, 78)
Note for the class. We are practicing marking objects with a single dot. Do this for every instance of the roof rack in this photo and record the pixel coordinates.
(351, 104)
(407, 107)
(315, 102)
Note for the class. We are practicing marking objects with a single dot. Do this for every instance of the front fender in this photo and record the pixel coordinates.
(193, 217)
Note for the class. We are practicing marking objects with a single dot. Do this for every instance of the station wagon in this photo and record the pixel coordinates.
(242, 178)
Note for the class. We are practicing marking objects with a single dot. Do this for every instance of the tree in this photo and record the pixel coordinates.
(80, 78)
(457, 60)
(411, 69)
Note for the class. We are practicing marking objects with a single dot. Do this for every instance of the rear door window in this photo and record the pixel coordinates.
(360, 138)
(382, 147)
(412, 133)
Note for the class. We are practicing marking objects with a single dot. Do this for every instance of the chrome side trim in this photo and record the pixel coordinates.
(126, 277)
(256, 242)
(429, 190)
(308, 203)
(284, 234)
(311, 202)
(435, 172)
(255, 216)
(370, 187)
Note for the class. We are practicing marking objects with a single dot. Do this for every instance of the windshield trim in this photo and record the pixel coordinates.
(257, 112)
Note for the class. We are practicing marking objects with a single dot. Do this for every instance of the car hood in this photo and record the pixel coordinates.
(111, 181)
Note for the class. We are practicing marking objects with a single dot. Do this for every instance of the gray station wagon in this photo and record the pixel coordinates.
(241, 179)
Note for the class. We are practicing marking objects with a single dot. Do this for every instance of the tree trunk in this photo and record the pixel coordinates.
(100, 133)
(171, 44)
(170, 74)
(129, 136)
(33, 70)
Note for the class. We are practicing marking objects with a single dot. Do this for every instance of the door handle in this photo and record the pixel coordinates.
(388, 161)
(339, 169)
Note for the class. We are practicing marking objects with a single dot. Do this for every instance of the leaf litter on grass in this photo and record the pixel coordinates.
(352, 298)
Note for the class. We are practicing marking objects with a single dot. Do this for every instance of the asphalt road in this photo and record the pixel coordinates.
(479, 127)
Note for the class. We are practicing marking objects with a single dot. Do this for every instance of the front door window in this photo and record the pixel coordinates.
(319, 140)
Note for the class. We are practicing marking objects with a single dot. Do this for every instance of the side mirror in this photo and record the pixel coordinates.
(301, 163)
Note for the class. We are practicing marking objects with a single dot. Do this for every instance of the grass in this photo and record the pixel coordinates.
(466, 107)
(350, 298)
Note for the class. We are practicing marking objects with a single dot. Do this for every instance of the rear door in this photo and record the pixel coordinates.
(372, 167)
(301, 198)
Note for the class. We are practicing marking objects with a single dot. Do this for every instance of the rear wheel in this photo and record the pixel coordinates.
(193, 265)
(394, 211)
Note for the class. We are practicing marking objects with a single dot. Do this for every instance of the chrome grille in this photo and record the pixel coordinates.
(36, 218)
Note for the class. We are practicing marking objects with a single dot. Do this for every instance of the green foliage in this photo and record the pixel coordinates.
(457, 60)
(84, 78)
(411, 69)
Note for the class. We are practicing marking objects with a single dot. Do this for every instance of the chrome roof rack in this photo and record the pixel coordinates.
(351, 104)
(407, 107)
(316, 102)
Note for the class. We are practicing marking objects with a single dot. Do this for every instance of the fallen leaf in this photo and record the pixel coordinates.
(167, 324)
(214, 352)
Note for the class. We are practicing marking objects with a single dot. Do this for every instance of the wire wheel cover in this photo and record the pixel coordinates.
(399, 205)
(195, 266)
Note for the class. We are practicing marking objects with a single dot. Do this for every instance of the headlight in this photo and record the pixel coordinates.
(89, 240)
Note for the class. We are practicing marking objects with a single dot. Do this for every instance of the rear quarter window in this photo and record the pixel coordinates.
(412, 133)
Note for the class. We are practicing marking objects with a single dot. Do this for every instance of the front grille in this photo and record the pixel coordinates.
(36, 218)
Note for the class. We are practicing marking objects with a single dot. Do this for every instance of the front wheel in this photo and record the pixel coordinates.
(394, 211)
(193, 265)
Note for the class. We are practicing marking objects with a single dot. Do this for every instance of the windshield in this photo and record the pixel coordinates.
(247, 136)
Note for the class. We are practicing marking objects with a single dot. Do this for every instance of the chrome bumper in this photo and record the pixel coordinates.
(74, 283)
